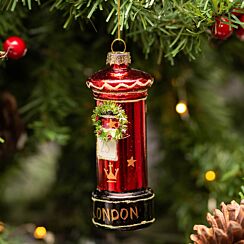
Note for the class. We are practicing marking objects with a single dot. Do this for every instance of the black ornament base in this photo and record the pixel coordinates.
(123, 211)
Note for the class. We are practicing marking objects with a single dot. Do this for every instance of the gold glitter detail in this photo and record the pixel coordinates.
(123, 226)
(118, 58)
(125, 201)
(108, 86)
(123, 101)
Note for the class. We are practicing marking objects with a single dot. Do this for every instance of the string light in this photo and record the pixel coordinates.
(210, 175)
(181, 107)
(40, 232)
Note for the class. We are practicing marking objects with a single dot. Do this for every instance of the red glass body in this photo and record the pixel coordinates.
(128, 88)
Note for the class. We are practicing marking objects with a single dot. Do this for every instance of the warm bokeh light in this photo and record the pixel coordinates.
(210, 175)
(181, 107)
(2, 227)
(40, 232)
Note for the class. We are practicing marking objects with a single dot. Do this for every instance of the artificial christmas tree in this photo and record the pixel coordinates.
(55, 105)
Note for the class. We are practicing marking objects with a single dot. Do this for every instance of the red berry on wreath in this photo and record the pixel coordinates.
(221, 30)
(14, 47)
(240, 30)
(236, 12)
(109, 137)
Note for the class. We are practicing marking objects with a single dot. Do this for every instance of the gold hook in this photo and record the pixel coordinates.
(118, 40)
(118, 19)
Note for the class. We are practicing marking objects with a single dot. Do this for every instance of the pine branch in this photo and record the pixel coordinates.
(52, 99)
(8, 27)
(169, 28)
(11, 4)
(205, 141)
(241, 193)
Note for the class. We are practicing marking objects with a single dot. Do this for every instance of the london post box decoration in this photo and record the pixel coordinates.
(122, 199)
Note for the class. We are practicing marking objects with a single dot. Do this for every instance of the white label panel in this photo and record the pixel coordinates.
(107, 150)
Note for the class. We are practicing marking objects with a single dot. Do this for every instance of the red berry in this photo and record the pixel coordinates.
(220, 29)
(240, 30)
(15, 47)
(236, 12)
(109, 137)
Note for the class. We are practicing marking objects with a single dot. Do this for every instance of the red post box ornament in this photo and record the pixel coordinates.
(122, 200)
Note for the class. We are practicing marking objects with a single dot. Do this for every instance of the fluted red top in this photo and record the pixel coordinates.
(120, 79)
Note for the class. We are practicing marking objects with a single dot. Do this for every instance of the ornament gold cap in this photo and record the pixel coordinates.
(118, 58)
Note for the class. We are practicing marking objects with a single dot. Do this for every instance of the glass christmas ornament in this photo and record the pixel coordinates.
(122, 199)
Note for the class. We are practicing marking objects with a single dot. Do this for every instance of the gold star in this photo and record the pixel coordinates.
(131, 162)
(111, 124)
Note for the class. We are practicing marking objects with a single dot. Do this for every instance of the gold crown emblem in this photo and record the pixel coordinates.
(110, 175)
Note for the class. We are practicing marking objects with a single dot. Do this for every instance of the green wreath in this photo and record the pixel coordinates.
(109, 108)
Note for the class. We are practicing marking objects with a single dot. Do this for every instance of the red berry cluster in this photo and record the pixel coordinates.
(222, 28)
(240, 30)
(14, 47)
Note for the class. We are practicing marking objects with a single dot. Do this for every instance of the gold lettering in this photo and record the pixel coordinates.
(135, 212)
(115, 214)
(99, 213)
(105, 214)
(126, 213)
(114, 217)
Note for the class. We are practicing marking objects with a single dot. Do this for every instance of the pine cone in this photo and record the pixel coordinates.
(11, 126)
(227, 226)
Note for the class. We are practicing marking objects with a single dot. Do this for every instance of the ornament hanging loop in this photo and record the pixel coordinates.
(118, 40)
